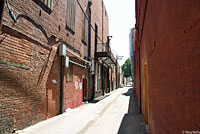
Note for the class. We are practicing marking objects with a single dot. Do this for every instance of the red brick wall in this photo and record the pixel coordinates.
(170, 44)
(27, 51)
(23, 69)
(137, 76)
(73, 95)
(98, 10)
(53, 89)
(40, 25)
(137, 66)
(97, 15)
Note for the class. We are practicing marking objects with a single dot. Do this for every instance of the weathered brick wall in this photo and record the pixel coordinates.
(27, 52)
(137, 75)
(40, 25)
(73, 94)
(98, 13)
(22, 92)
(53, 89)
(170, 45)
(26, 61)
(105, 24)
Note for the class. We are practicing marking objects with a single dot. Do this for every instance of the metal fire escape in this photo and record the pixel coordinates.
(104, 52)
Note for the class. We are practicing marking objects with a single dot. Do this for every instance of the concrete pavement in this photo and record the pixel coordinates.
(114, 114)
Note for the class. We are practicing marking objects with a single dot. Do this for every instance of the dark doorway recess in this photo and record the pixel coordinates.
(85, 90)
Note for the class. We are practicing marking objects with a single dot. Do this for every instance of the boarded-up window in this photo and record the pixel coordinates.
(85, 30)
(69, 73)
(48, 3)
(71, 14)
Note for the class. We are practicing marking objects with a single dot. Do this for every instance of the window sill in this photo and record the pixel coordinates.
(43, 6)
(70, 30)
(84, 43)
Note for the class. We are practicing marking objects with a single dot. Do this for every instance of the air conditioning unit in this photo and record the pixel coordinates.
(62, 50)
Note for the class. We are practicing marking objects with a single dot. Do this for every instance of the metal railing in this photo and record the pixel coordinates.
(104, 47)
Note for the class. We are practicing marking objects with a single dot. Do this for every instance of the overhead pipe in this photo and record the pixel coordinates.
(78, 64)
(78, 57)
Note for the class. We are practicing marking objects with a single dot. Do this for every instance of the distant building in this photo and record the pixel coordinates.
(131, 49)
(131, 52)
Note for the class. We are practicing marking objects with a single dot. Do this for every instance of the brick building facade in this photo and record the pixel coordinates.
(167, 64)
(32, 72)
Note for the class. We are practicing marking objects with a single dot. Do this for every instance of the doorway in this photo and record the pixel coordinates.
(53, 90)
(93, 86)
(85, 90)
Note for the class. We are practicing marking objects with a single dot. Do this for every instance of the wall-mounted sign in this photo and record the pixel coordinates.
(54, 81)
(80, 85)
(76, 85)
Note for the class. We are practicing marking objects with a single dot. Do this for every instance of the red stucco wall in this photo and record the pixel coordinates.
(169, 40)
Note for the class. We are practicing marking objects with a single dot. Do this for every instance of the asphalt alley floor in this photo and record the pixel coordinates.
(117, 113)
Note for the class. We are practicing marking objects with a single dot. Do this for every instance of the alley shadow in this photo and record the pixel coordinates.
(132, 122)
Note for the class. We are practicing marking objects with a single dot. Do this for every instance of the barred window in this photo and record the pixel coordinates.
(85, 30)
(71, 14)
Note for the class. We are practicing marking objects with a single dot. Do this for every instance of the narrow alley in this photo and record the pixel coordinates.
(115, 114)
(99, 67)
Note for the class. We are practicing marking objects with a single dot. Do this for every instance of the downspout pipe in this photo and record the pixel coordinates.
(102, 21)
(62, 68)
(89, 51)
(96, 36)
(95, 59)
